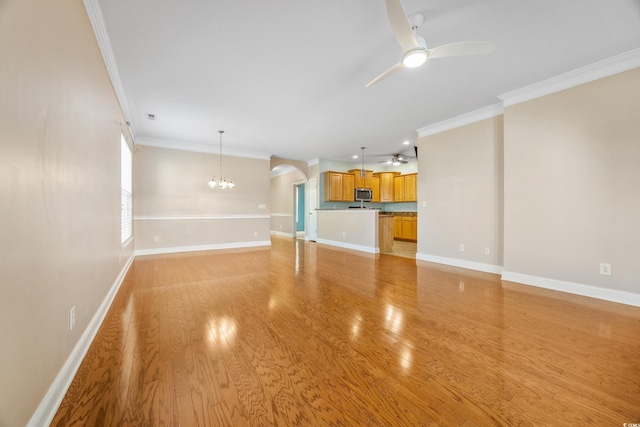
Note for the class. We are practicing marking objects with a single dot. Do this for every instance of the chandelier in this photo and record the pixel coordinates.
(221, 182)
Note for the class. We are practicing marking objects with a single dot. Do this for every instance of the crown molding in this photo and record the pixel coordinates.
(461, 120)
(200, 148)
(313, 162)
(605, 68)
(102, 37)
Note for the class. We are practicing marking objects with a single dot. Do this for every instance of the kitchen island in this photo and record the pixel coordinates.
(367, 230)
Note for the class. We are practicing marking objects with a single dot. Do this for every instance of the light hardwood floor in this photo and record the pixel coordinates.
(305, 335)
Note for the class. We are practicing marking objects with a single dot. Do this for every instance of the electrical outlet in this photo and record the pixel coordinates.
(262, 206)
(487, 251)
(461, 247)
(156, 239)
(605, 269)
(424, 204)
(72, 318)
(344, 234)
(255, 234)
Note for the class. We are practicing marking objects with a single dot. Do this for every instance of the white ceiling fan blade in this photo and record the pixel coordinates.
(459, 49)
(401, 26)
(385, 74)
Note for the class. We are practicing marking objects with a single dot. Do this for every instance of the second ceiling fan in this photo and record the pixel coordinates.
(414, 47)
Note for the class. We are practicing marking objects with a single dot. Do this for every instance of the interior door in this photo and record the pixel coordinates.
(312, 226)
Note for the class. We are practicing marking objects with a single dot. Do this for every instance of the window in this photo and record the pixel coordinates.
(126, 185)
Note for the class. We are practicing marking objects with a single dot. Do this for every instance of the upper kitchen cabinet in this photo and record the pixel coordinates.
(360, 181)
(333, 186)
(410, 190)
(386, 185)
(348, 185)
(404, 188)
(338, 187)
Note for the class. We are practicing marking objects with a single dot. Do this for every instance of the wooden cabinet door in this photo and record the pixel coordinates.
(414, 228)
(332, 187)
(368, 179)
(348, 183)
(375, 189)
(386, 187)
(407, 227)
(397, 227)
(398, 189)
(358, 180)
(410, 193)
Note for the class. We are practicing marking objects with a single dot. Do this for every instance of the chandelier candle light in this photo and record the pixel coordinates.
(221, 182)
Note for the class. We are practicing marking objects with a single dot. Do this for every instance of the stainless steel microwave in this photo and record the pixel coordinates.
(362, 194)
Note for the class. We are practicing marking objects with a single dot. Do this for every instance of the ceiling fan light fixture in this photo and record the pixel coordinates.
(414, 58)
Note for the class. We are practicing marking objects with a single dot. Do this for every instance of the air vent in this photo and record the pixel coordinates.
(151, 116)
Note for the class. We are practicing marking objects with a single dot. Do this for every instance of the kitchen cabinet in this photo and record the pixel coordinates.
(348, 180)
(386, 185)
(414, 228)
(397, 227)
(338, 187)
(410, 188)
(407, 228)
(398, 188)
(404, 188)
(375, 189)
(362, 182)
(332, 186)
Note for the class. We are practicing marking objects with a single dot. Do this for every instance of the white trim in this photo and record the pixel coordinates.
(281, 233)
(313, 162)
(200, 148)
(197, 217)
(455, 262)
(360, 248)
(282, 169)
(461, 120)
(612, 295)
(176, 249)
(281, 215)
(102, 36)
(49, 405)
(589, 73)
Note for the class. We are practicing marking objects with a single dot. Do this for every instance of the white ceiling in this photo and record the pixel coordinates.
(287, 78)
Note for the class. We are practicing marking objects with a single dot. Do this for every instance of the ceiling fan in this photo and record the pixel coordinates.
(414, 47)
(397, 160)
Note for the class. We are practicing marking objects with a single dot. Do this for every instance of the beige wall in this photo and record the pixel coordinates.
(572, 175)
(282, 201)
(351, 229)
(460, 180)
(173, 202)
(60, 191)
(569, 167)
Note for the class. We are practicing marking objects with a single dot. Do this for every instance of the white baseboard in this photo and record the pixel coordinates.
(471, 265)
(176, 249)
(368, 249)
(281, 233)
(49, 405)
(612, 295)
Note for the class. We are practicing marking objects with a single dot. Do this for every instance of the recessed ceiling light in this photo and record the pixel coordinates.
(355, 156)
(406, 143)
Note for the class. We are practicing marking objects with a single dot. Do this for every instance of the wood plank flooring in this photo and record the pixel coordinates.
(305, 335)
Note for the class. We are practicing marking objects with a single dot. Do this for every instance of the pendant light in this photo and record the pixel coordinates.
(221, 183)
(362, 173)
